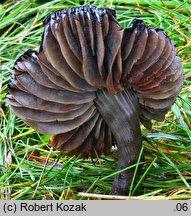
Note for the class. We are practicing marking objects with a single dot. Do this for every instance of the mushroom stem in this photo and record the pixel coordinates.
(121, 113)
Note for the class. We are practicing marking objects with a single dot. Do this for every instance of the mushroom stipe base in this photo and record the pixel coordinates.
(121, 113)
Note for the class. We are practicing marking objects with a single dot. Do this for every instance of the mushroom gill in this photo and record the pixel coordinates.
(91, 84)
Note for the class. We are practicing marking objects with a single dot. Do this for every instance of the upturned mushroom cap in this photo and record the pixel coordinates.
(84, 51)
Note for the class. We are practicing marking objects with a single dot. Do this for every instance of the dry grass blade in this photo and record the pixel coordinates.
(112, 197)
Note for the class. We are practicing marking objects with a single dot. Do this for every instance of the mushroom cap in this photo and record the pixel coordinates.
(83, 50)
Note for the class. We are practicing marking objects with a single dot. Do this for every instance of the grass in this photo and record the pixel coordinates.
(30, 169)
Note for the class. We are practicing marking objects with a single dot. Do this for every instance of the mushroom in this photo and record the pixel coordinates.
(91, 84)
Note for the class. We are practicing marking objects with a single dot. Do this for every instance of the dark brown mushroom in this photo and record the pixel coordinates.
(92, 83)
